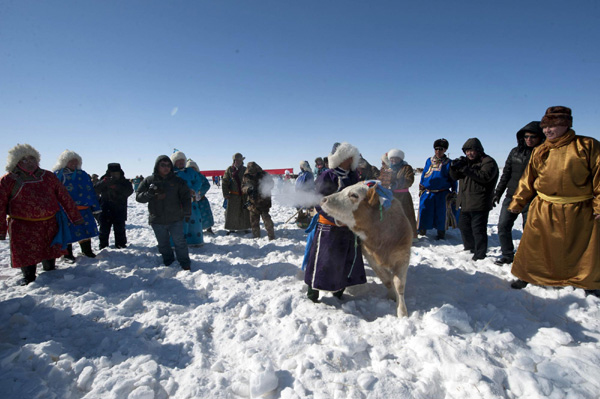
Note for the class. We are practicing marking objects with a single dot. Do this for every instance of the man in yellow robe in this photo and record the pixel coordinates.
(561, 241)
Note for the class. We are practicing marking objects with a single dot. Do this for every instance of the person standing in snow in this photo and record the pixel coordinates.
(435, 185)
(192, 228)
(529, 137)
(208, 220)
(113, 189)
(237, 216)
(257, 185)
(333, 256)
(561, 183)
(31, 199)
(169, 203)
(305, 187)
(80, 187)
(401, 177)
(477, 174)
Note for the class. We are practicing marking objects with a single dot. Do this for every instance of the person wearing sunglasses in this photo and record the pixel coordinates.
(529, 137)
(169, 204)
(561, 240)
(434, 187)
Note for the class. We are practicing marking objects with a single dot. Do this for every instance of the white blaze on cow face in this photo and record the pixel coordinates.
(342, 205)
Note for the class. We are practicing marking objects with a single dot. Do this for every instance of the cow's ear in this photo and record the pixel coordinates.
(372, 197)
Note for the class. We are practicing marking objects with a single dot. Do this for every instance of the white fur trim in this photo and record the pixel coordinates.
(343, 152)
(395, 153)
(192, 164)
(177, 156)
(64, 158)
(304, 165)
(385, 159)
(19, 152)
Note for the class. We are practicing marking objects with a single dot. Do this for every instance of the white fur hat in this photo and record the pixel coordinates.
(65, 157)
(176, 156)
(395, 153)
(304, 165)
(192, 164)
(341, 152)
(19, 152)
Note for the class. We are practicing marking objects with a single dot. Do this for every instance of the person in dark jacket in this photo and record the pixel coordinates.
(477, 174)
(169, 203)
(113, 189)
(529, 137)
(257, 185)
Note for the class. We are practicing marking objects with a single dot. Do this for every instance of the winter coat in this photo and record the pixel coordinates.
(517, 161)
(305, 181)
(257, 185)
(177, 203)
(237, 216)
(477, 179)
(113, 195)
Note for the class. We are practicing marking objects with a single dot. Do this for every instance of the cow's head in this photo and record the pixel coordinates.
(353, 204)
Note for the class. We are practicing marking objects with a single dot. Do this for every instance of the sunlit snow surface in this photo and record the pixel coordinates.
(124, 326)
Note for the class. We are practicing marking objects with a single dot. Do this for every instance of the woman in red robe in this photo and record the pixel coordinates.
(31, 197)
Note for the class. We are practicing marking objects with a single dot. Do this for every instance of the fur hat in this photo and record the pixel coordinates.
(395, 153)
(441, 143)
(237, 155)
(557, 116)
(65, 158)
(19, 152)
(192, 164)
(176, 156)
(304, 165)
(341, 152)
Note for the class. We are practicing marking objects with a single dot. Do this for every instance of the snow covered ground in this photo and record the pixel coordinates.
(239, 325)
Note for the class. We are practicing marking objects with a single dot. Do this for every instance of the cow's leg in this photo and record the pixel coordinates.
(399, 285)
(384, 275)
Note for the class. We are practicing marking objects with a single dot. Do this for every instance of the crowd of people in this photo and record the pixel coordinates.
(551, 178)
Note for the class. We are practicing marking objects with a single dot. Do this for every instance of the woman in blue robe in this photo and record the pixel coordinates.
(192, 228)
(79, 185)
(208, 221)
(435, 186)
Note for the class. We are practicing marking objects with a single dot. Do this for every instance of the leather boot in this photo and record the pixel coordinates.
(49, 264)
(86, 248)
(69, 258)
(28, 274)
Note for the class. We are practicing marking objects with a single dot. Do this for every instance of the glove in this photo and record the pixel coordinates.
(459, 163)
(497, 199)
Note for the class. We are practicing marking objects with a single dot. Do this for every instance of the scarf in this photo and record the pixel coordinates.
(546, 146)
(343, 178)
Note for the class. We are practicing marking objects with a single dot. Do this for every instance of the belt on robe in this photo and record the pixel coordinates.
(82, 207)
(555, 199)
(33, 220)
(234, 193)
(437, 191)
(402, 190)
(324, 220)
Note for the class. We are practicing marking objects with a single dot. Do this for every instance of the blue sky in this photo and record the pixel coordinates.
(281, 81)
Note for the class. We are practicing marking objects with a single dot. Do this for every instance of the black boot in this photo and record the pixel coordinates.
(313, 295)
(49, 264)
(28, 274)
(86, 248)
(441, 235)
(519, 284)
(69, 258)
(338, 294)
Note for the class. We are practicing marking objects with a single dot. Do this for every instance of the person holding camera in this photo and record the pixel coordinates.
(169, 204)
(257, 185)
(529, 137)
(561, 240)
(477, 174)
(113, 189)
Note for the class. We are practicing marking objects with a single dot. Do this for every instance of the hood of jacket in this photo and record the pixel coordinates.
(473, 144)
(531, 127)
(160, 159)
(253, 169)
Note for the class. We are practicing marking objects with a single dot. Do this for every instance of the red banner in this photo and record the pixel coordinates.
(211, 173)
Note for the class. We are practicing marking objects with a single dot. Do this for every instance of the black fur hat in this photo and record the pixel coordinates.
(441, 143)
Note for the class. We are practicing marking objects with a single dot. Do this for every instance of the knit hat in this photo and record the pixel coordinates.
(176, 156)
(19, 152)
(64, 158)
(237, 155)
(441, 143)
(557, 116)
(341, 152)
(395, 153)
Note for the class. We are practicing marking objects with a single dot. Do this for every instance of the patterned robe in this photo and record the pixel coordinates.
(79, 184)
(561, 240)
(432, 203)
(193, 229)
(237, 216)
(32, 202)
